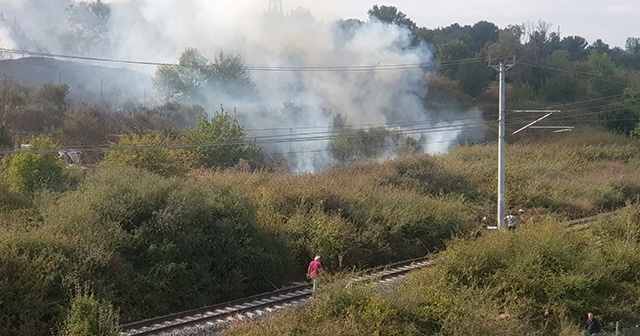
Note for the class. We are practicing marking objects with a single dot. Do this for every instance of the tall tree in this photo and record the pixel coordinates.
(185, 80)
(473, 78)
(483, 33)
(561, 87)
(195, 76)
(599, 46)
(90, 28)
(604, 82)
(452, 51)
(391, 15)
(508, 43)
(576, 46)
(632, 45)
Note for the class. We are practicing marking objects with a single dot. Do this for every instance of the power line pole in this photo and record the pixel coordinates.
(502, 67)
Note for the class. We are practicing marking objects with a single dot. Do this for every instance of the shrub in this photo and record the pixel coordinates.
(5, 137)
(152, 245)
(89, 316)
(427, 177)
(31, 289)
(31, 171)
(616, 194)
(219, 142)
(539, 280)
(146, 152)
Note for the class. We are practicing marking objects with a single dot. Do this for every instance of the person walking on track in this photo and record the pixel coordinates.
(315, 267)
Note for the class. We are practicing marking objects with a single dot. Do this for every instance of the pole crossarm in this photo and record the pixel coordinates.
(536, 111)
(503, 63)
(549, 112)
(554, 127)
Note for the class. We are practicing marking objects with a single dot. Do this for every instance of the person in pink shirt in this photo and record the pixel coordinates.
(315, 267)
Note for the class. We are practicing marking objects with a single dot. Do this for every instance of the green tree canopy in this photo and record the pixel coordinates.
(90, 28)
(603, 69)
(452, 51)
(508, 43)
(220, 142)
(152, 155)
(599, 46)
(31, 171)
(483, 33)
(195, 76)
(623, 119)
(391, 15)
(474, 78)
(576, 46)
(632, 45)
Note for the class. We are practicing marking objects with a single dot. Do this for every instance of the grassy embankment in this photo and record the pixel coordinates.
(539, 281)
(150, 245)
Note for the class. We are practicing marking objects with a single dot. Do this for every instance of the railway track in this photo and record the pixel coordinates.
(207, 320)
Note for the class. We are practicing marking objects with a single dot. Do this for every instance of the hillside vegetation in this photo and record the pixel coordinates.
(174, 205)
(147, 245)
(540, 280)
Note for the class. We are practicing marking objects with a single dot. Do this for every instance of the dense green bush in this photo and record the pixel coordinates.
(29, 172)
(146, 244)
(616, 194)
(146, 152)
(427, 177)
(149, 244)
(89, 316)
(220, 142)
(10, 199)
(32, 292)
(366, 224)
(539, 280)
(167, 243)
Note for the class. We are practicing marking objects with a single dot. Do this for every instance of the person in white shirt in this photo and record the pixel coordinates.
(510, 220)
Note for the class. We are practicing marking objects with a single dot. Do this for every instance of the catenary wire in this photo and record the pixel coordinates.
(375, 67)
(577, 73)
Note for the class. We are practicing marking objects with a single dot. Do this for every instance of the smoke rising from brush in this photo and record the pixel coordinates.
(291, 102)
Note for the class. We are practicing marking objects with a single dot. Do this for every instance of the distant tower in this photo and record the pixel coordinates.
(275, 6)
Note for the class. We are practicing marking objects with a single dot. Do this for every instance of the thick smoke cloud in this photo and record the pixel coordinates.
(291, 102)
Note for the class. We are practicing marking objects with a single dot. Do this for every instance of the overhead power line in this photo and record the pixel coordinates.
(403, 129)
(352, 68)
(251, 140)
(293, 138)
(85, 58)
(578, 73)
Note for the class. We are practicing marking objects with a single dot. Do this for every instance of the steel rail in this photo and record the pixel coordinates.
(220, 306)
(231, 310)
(227, 311)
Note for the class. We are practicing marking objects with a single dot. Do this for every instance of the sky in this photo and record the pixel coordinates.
(610, 20)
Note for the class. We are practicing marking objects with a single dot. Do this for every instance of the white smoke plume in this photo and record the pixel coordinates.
(159, 30)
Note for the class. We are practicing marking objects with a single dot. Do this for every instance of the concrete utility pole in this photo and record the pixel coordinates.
(502, 67)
